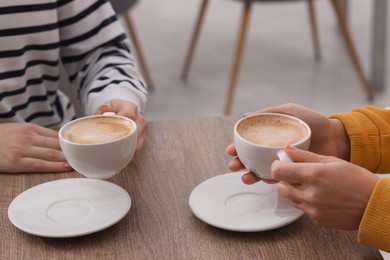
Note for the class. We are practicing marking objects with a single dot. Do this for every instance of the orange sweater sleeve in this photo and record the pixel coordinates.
(369, 131)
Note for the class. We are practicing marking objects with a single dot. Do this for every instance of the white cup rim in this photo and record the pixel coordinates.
(134, 129)
(308, 136)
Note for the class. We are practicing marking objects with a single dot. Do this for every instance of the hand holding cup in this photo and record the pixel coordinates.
(259, 140)
(99, 146)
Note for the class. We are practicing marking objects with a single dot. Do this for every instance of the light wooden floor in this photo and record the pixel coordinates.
(278, 65)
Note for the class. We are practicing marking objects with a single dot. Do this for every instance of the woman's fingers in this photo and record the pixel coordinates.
(231, 150)
(48, 154)
(235, 165)
(28, 164)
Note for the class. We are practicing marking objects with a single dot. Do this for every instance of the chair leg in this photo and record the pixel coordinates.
(351, 48)
(194, 40)
(237, 56)
(138, 51)
(314, 30)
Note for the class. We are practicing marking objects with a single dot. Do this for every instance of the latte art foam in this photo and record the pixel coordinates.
(97, 130)
(272, 131)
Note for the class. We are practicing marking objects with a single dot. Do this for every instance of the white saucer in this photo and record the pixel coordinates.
(69, 207)
(225, 202)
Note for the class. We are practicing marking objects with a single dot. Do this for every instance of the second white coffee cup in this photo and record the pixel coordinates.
(99, 146)
(260, 139)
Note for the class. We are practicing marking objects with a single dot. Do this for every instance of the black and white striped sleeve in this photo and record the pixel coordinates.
(96, 54)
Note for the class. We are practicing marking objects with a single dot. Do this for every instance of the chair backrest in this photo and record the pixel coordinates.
(121, 6)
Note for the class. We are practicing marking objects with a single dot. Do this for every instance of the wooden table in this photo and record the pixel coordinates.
(177, 156)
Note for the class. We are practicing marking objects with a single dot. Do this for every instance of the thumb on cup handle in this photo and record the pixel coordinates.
(109, 114)
(283, 157)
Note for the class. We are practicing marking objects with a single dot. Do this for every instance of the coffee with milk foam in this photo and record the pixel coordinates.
(97, 130)
(272, 131)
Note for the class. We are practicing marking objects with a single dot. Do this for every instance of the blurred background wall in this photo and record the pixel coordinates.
(278, 64)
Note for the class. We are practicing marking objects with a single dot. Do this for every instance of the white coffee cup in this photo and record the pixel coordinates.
(96, 150)
(260, 139)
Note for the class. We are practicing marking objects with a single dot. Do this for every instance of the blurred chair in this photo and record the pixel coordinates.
(241, 39)
(122, 7)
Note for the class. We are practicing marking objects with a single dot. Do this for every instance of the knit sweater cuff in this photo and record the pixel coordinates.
(364, 139)
(374, 228)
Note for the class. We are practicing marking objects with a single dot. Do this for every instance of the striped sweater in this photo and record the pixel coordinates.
(38, 36)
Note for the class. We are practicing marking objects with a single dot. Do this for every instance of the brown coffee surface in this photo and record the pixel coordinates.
(272, 131)
(97, 130)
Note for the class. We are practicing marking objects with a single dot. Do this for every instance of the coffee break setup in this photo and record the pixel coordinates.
(176, 199)
(100, 146)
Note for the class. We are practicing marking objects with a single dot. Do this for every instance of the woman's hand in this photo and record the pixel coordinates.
(126, 109)
(27, 147)
(333, 192)
(328, 136)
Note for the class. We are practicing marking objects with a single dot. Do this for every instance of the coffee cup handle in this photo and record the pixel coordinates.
(109, 114)
(283, 157)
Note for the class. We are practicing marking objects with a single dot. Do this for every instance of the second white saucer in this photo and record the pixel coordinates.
(225, 202)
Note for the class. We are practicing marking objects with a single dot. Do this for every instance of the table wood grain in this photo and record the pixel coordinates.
(176, 157)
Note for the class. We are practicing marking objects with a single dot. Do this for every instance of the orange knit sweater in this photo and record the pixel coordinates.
(369, 131)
